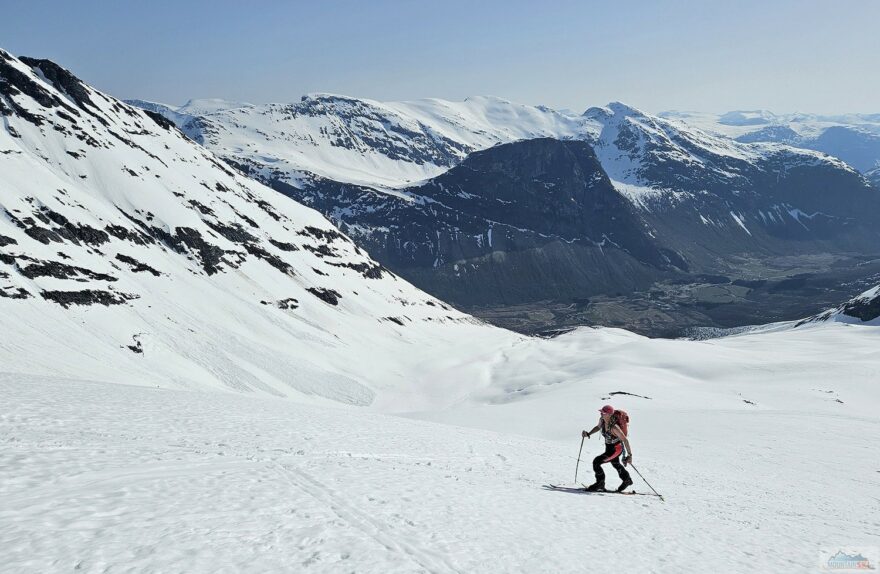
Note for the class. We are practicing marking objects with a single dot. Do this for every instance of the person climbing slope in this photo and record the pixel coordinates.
(613, 426)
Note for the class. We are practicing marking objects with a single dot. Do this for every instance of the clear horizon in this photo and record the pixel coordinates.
(788, 56)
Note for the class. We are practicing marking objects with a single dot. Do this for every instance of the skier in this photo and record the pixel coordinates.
(610, 423)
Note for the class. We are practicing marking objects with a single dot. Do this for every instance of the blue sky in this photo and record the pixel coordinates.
(783, 55)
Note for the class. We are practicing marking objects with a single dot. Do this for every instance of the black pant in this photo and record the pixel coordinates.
(612, 454)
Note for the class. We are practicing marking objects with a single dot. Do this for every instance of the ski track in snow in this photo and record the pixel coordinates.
(101, 477)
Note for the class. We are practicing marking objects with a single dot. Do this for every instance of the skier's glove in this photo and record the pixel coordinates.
(585, 434)
(627, 460)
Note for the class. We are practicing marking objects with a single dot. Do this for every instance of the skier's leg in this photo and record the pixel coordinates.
(621, 470)
(625, 480)
(597, 467)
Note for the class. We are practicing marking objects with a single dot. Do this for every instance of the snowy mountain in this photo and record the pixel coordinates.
(654, 162)
(391, 144)
(126, 247)
(648, 156)
(350, 140)
(699, 204)
(853, 138)
(692, 183)
(857, 146)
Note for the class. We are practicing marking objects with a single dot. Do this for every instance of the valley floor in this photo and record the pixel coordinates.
(101, 477)
(761, 291)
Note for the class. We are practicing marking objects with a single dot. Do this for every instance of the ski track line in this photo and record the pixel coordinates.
(375, 529)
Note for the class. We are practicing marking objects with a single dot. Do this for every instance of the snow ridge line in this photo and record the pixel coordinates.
(375, 529)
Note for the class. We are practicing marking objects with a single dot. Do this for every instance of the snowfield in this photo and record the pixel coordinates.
(110, 477)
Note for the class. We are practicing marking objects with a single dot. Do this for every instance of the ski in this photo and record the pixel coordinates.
(583, 490)
(630, 493)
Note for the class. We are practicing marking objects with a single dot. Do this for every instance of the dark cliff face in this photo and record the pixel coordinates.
(546, 185)
(553, 188)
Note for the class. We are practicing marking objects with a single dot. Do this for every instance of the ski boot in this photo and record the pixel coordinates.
(627, 482)
(598, 486)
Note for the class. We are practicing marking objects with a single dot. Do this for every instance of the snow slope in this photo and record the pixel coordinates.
(652, 156)
(360, 141)
(99, 477)
(126, 247)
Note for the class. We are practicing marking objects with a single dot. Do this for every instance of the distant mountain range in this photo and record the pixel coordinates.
(854, 138)
(490, 204)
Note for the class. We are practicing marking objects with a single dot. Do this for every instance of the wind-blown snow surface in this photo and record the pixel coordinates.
(103, 477)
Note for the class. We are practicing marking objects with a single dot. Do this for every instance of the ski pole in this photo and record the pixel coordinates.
(579, 461)
(646, 482)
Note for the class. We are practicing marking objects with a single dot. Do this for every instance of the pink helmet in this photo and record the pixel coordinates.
(607, 410)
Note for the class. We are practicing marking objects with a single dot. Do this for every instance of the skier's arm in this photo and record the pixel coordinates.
(619, 434)
(591, 431)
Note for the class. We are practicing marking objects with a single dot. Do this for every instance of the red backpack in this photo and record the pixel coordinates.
(621, 419)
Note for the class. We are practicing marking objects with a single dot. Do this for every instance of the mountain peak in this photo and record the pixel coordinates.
(488, 99)
(604, 113)
(747, 118)
(598, 113)
(619, 108)
(329, 96)
(200, 106)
